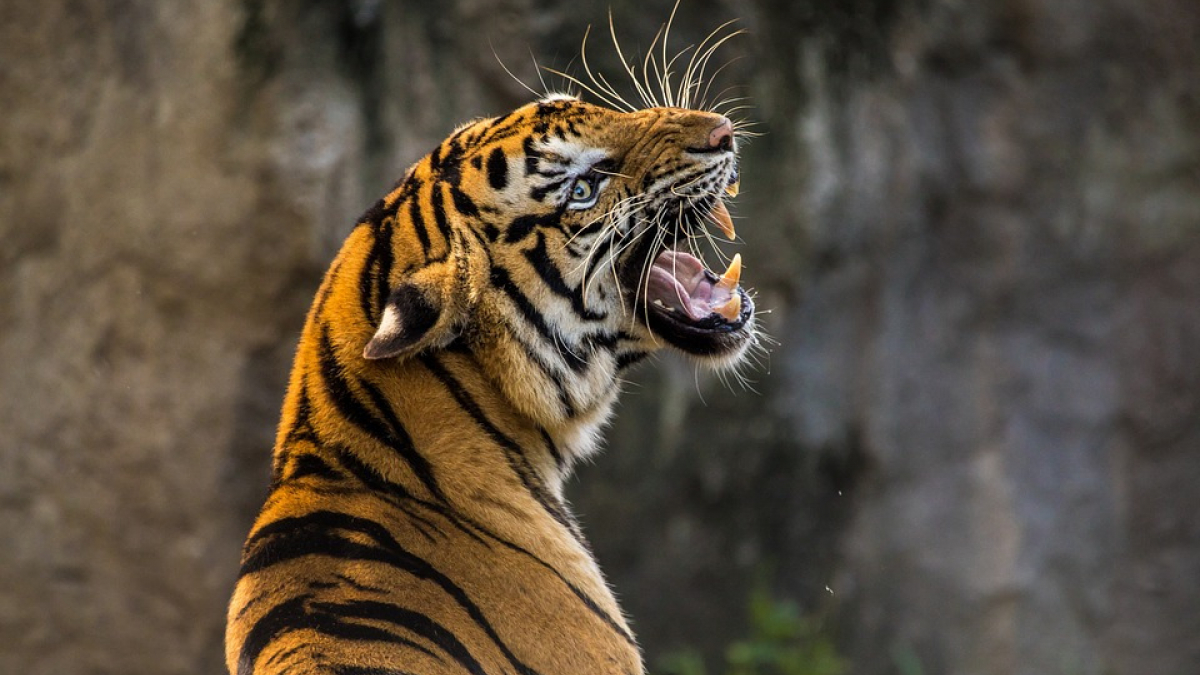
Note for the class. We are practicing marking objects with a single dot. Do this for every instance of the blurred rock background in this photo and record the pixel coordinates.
(975, 450)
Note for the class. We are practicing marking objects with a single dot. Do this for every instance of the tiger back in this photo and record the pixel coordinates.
(463, 351)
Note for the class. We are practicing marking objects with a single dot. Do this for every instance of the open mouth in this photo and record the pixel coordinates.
(692, 307)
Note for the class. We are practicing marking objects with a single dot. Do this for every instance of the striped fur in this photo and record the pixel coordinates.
(462, 353)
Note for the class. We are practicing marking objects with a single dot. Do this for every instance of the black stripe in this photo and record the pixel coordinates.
(502, 280)
(682, 178)
(327, 286)
(521, 226)
(386, 258)
(450, 163)
(297, 614)
(627, 359)
(314, 534)
(462, 203)
(531, 156)
(308, 464)
(387, 430)
(559, 460)
(539, 258)
(583, 597)
(599, 256)
(331, 624)
(365, 670)
(375, 214)
(395, 494)
(283, 656)
(539, 193)
(513, 452)
(578, 592)
(405, 446)
(280, 619)
(302, 428)
(264, 596)
(603, 341)
(496, 135)
(439, 213)
(301, 431)
(366, 284)
(414, 622)
(552, 375)
(435, 159)
(418, 223)
(373, 279)
(497, 170)
(359, 586)
(503, 127)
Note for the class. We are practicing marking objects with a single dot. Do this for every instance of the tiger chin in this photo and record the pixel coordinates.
(463, 351)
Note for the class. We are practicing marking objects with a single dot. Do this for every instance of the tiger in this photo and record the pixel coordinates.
(463, 352)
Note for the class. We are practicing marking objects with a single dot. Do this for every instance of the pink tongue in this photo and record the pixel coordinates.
(678, 281)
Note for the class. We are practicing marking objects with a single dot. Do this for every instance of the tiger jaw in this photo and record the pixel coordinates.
(678, 283)
(689, 306)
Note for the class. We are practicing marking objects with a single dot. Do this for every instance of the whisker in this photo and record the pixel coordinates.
(647, 63)
(645, 95)
(643, 295)
(611, 232)
(624, 105)
(703, 55)
(712, 50)
(677, 96)
(606, 172)
(538, 69)
(733, 109)
(743, 124)
(726, 100)
(709, 81)
(580, 83)
(690, 79)
(664, 81)
(611, 214)
(607, 214)
(510, 73)
(614, 255)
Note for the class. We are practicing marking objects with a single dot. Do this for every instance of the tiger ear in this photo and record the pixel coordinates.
(412, 320)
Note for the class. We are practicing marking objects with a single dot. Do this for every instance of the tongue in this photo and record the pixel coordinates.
(679, 282)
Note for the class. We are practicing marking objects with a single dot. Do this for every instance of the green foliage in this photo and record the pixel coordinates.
(783, 641)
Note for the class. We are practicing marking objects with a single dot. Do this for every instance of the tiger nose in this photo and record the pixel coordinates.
(721, 138)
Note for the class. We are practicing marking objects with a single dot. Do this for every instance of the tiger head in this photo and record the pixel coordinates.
(572, 237)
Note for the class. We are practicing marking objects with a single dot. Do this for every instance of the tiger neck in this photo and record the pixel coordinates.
(433, 426)
(444, 423)
(433, 432)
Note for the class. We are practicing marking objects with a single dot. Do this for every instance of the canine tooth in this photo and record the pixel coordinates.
(731, 309)
(732, 188)
(721, 215)
(731, 277)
